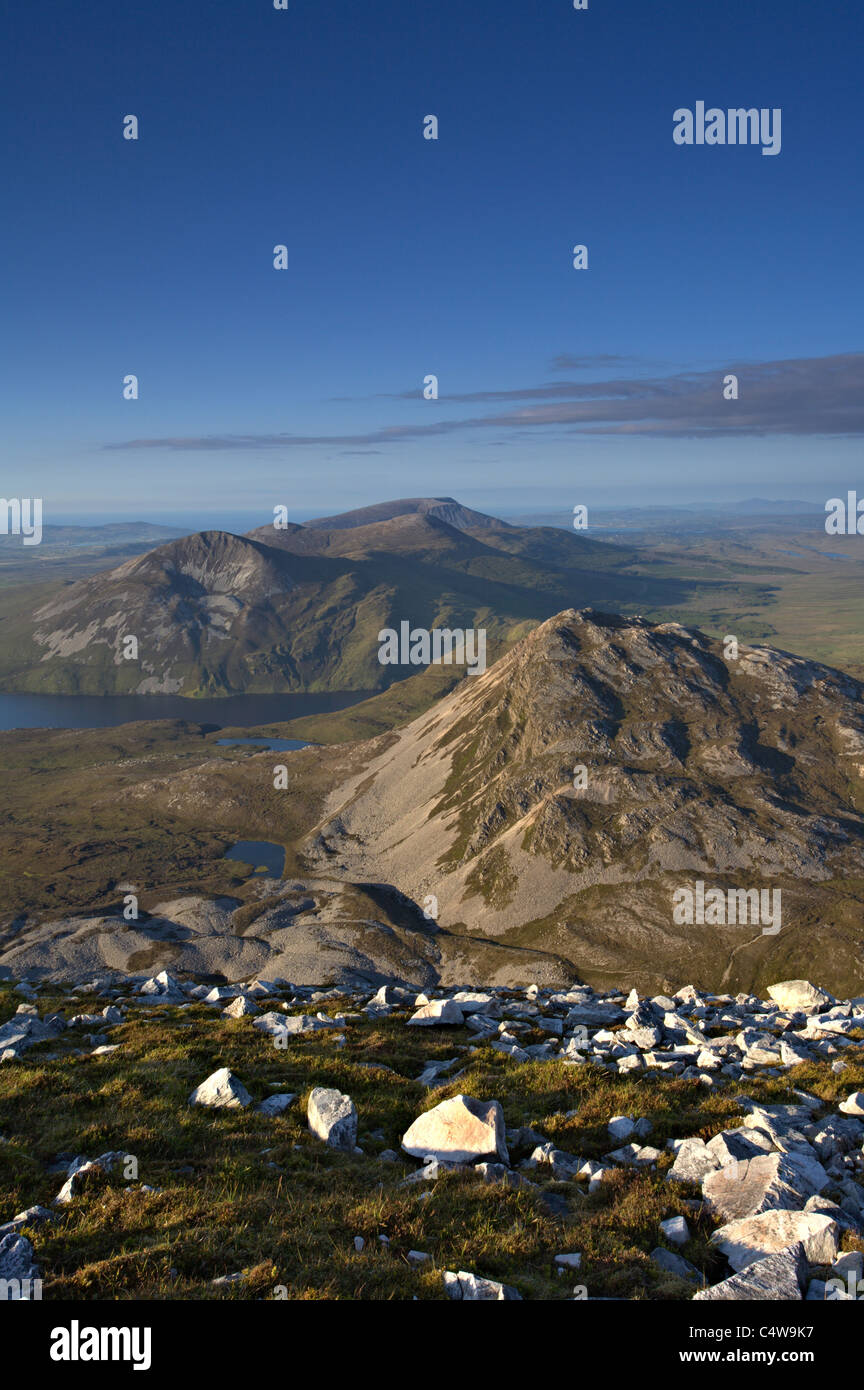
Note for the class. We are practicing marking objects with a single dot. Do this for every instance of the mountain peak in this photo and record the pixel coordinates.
(441, 508)
(562, 797)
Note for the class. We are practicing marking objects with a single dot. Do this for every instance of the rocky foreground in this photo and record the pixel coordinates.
(763, 1198)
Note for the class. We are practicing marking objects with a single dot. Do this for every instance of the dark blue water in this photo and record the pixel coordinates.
(831, 554)
(105, 711)
(275, 745)
(262, 853)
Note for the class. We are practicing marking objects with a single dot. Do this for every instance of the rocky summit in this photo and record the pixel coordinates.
(522, 1144)
(607, 768)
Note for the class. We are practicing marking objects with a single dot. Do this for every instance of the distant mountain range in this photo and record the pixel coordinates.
(300, 607)
(755, 511)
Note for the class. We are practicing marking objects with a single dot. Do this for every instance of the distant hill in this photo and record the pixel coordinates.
(68, 551)
(111, 533)
(443, 508)
(759, 506)
(300, 608)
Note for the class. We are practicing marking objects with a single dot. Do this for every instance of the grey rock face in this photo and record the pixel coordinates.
(675, 1264)
(778, 1277)
(769, 1182)
(18, 1268)
(754, 1238)
(332, 1117)
(693, 1161)
(439, 1013)
(276, 1105)
(221, 1091)
(471, 1289)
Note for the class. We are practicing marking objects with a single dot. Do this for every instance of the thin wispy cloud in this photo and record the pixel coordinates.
(567, 362)
(799, 396)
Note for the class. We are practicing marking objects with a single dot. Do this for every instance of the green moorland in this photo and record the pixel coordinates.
(159, 802)
(238, 1192)
(799, 591)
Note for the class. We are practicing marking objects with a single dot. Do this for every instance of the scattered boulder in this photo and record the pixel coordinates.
(241, 1008)
(693, 1162)
(275, 1024)
(753, 1238)
(220, 992)
(24, 1030)
(332, 1117)
(440, 1011)
(799, 995)
(83, 1171)
(621, 1127)
(847, 1221)
(471, 1289)
(276, 1105)
(164, 989)
(33, 1216)
(458, 1131)
(675, 1230)
(474, 1001)
(569, 1260)
(675, 1264)
(769, 1182)
(221, 1091)
(778, 1277)
(18, 1268)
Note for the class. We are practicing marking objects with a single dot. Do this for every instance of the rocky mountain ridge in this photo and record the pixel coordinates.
(560, 800)
(299, 607)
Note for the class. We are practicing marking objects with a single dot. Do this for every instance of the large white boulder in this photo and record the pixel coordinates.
(771, 1182)
(744, 1242)
(474, 1001)
(440, 1011)
(221, 1091)
(163, 987)
(241, 1008)
(799, 994)
(459, 1130)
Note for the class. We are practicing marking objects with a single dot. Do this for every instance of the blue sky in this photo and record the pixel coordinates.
(409, 257)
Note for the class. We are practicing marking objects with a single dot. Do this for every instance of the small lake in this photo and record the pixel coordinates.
(105, 711)
(274, 745)
(829, 554)
(269, 859)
